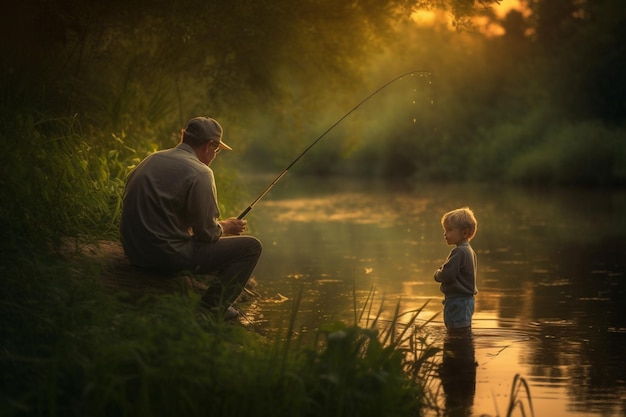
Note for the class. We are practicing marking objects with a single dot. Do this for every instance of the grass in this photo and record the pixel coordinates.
(68, 347)
(517, 401)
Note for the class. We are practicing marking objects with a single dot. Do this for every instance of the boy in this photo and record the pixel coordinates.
(458, 273)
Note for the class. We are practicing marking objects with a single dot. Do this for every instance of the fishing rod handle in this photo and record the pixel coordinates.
(243, 214)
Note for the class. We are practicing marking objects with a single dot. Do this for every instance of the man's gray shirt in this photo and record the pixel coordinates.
(170, 201)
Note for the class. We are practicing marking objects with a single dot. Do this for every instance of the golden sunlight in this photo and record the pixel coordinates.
(484, 24)
(432, 17)
(424, 17)
(505, 6)
(489, 27)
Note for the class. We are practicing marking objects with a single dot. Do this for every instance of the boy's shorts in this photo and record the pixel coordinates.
(458, 312)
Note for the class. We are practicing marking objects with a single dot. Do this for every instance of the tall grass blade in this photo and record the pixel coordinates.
(518, 383)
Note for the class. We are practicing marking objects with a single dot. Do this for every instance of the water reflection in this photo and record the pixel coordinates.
(458, 373)
(552, 277)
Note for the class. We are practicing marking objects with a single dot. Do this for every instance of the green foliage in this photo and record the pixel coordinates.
(70, 348)
(582, 40)
(583, 153)
(278, 76)
(586, 153)
(355, 374)
(52, 184)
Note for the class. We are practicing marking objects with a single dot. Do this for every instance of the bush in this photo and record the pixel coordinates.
(584, 153)
(53, 186)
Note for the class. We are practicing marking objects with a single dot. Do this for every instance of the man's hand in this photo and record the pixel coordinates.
(233, 226)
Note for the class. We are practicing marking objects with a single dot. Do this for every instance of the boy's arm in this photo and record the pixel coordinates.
(449, 271)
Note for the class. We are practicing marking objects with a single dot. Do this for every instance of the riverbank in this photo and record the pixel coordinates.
(72, 347)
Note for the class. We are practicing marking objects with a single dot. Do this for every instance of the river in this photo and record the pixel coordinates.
(551, 280)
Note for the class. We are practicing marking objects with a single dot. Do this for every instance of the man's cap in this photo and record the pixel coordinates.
(205, 129)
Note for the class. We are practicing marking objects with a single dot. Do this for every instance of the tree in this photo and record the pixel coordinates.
(580, 44)
(232, 48)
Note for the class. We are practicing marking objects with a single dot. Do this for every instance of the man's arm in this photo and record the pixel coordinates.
(203, 208)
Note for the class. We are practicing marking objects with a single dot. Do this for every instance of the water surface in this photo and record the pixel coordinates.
(551, 282)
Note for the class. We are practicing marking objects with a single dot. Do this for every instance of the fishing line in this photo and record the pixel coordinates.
(282, 174)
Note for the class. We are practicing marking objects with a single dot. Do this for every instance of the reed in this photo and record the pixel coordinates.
(520, 395)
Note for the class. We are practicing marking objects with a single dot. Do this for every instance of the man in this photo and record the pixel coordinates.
(171, 218)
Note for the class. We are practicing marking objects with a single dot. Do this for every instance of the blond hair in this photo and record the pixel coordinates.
(462, 218)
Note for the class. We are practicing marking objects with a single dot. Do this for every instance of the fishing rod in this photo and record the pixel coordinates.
(282, 174)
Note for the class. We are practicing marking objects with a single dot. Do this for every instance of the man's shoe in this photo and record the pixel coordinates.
(231, 313)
